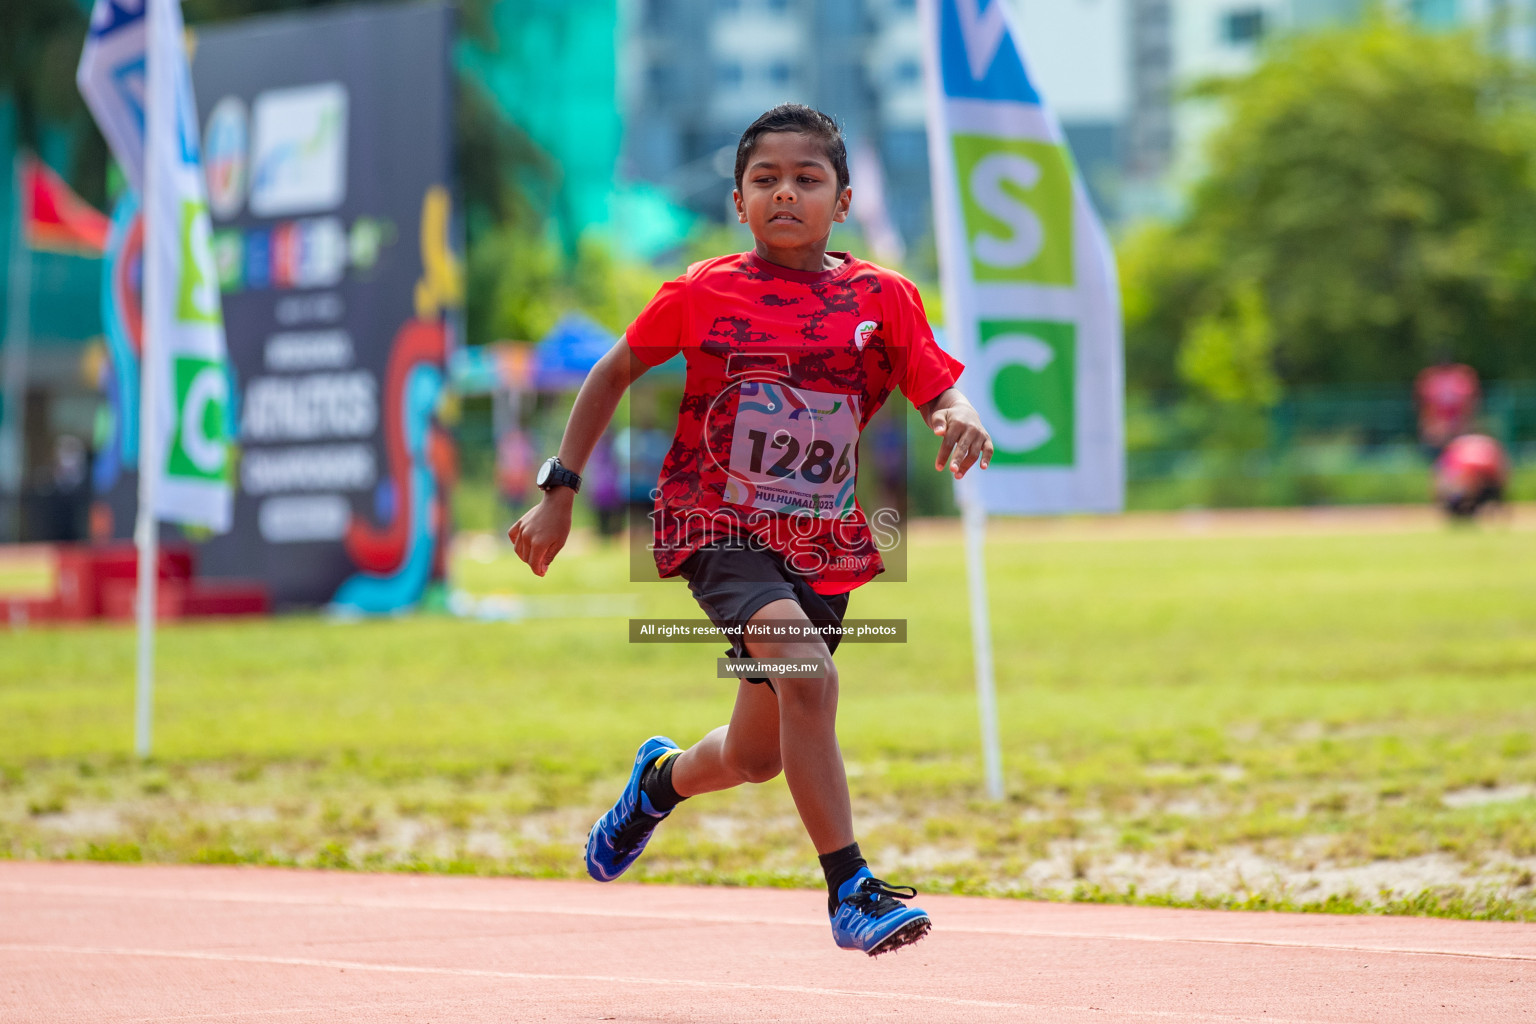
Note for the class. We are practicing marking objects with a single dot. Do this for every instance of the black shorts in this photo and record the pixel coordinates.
(732, 584)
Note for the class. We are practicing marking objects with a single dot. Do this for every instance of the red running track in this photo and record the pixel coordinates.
(105, 943)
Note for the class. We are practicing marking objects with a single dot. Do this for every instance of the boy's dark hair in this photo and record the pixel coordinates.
(796, 117)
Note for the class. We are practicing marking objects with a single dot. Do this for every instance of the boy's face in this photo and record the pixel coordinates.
(788, 194)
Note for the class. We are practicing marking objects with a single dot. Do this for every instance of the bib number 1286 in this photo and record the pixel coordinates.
(816, 466)
(793, 451)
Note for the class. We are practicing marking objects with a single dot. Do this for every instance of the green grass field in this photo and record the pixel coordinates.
(1308, 719)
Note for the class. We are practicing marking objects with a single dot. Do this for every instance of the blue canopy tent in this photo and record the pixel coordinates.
(564, 357)
(562, 360)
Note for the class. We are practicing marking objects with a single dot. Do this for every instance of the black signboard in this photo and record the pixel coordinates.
(327, 148)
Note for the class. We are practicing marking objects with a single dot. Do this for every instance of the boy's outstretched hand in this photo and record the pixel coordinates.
(966, 441)
(542, 531)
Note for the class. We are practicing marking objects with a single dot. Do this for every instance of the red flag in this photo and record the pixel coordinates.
(57, 219)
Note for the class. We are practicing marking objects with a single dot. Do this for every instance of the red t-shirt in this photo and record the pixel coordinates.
(1473, 459)
(785, 368)
(1447, 395)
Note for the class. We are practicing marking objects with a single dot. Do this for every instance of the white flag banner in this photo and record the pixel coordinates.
(111, 78)
(1031, 297)
(135, 61)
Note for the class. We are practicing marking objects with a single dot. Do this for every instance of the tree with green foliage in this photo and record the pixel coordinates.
(1369, 205)
(40, 42)
(527, 285)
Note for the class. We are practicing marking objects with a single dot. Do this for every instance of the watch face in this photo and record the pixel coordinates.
(544, 471)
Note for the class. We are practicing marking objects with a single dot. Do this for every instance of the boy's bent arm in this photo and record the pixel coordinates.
(542, 531)
(951, 416)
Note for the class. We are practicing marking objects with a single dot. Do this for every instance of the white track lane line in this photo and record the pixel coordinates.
(606, 979)
(97, 892)
(364, 1010)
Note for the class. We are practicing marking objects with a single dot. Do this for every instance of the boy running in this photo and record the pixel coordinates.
(790, 351)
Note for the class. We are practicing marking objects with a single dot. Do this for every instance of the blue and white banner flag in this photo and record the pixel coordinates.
(134, 76)
(1031, 296)
(112, 79)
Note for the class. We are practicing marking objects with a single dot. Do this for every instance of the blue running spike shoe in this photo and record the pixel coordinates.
(870, 920)
(619, 836)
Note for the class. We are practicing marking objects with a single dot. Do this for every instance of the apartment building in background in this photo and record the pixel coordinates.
(701, 70)
(696, 72)
(1175, 43)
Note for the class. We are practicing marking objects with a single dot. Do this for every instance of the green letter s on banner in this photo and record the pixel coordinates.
(1016, 197)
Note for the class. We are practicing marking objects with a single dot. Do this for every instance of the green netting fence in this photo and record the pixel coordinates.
(1338, 445)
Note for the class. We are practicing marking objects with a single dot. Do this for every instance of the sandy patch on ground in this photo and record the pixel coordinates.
(1241, 871)
(1482, 796)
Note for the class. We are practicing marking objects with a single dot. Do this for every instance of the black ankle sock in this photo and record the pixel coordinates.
(656, 784)
(839, 866)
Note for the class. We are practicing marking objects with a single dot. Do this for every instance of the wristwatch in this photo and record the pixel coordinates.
(552, 475)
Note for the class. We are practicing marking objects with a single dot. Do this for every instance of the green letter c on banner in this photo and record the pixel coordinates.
(1012, 435)
(1026, 393)
(199, 447)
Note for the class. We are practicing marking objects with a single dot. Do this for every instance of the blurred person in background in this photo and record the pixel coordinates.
(607, 487)
(1447, 395)
(1470, 474)
(891, 463)
(514, 468)
(641, 451)
(62, 496)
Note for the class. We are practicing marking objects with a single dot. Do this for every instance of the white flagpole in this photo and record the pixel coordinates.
(952, 249)
(13, 449)
(974, 512)
(151, 457)
(147, 539)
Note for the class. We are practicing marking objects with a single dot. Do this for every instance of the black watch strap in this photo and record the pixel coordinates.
(553, 475)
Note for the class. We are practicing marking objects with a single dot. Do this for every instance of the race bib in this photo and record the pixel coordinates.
(793, 450)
